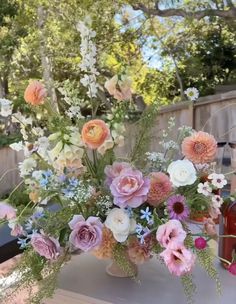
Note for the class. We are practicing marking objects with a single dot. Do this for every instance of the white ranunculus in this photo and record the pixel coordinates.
(182, 173)
(120, 224)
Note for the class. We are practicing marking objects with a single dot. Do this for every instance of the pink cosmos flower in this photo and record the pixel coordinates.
(85, 235)
(170, 234)
(178, 259)
(114, 170)
(7, 211)
(45, 246)
(130, 188)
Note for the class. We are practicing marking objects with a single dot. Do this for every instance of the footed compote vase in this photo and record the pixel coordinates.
(114, 270)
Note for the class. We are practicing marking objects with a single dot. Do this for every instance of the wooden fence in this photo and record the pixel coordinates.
(9, 174)
(215, 114)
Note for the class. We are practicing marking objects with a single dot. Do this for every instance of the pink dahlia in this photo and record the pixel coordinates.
(170, 234)
(178, 259)
(160, 188)
(130, 188)
(114, 170)
(177, 207)
(200, 147)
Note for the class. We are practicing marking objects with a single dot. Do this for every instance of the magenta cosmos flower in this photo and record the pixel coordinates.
(85, 235)
(130, 188)
(170, 234)
(45, 246)
(178, 259)
(232, 268)
(114, 170)
(177, 207)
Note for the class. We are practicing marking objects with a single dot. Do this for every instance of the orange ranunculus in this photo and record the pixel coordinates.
(200, 147)
(35, 93)
(94, 133)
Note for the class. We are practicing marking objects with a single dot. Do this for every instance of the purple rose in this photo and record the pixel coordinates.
(130, 188)
(7, 211)
(85, 235)
(114, 171)
(45, 246)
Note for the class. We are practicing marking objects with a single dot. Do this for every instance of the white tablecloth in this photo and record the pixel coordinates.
(86, 275)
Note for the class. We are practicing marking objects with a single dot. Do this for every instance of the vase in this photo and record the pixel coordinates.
(114, 270)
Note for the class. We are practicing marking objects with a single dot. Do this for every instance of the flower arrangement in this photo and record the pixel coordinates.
(125, 208)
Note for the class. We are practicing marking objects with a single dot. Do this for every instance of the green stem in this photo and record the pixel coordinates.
(89, 164)
(10, 195)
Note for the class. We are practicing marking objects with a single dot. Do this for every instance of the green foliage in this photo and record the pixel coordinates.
(189, 287)
(121, 259)
(205, 259)
(143, 138)
(6, 140)
(34, 270)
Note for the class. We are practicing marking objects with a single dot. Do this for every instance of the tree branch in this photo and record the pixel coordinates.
(230, 13)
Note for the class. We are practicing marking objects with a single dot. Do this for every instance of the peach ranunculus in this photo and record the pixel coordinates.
(35, 93)
(120, 89)
(200, 147)
(94, 133)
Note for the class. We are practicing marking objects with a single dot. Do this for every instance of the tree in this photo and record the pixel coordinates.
(213, 8)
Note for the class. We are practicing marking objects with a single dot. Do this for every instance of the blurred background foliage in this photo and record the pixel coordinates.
(151, 50)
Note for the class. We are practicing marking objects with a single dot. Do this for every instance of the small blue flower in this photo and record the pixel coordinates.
(38, 214)
(130, 212)
(34, 231)
(73, 182)
(43, 182)
(61, 178)
(142, 239)
(139, 228)
(47, 173)
(146, 214)
(29, 225)
(68, 193)
(22, 242)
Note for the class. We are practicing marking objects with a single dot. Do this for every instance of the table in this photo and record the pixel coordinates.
(84, 280)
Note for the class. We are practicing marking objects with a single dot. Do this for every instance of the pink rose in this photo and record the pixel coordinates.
(170, 234)
(7, 211)
(130, 188)
(85, 235)
(178, 259)
(114, 171)
(17, 230)
(45, 246)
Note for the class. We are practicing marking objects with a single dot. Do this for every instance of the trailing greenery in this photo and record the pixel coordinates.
(143, 138)
(189, 287)
(205, 259)
(121, 259)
